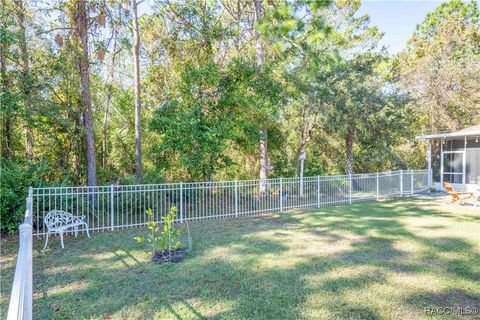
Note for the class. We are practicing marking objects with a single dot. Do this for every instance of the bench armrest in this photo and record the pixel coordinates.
(80, 219)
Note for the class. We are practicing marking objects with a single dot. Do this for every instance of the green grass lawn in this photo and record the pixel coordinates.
(375, 260)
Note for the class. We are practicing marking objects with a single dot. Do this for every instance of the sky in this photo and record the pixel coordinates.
(397, 19)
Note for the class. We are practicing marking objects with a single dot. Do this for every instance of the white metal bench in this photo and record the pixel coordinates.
(58, 221)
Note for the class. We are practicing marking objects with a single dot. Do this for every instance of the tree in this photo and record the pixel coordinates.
(115, 22)
(226, 89)
(325, 46)
(26, 82)
(81, 31)
(263, 130)
(356, 102)
(440, 67)
(210, 111)
(305, 51)
(138, 105)
(7, 99)
(195, 124)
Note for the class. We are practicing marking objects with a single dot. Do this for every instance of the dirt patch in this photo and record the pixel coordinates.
(280, 222)
(169, 256)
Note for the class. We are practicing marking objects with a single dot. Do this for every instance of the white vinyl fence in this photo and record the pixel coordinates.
(124, 206)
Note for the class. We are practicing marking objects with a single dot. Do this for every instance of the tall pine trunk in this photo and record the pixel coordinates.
(81, 25)
(138, 106)
(349, 139)
(263, 129)
(106, 116)
(26, 81)
(7, 115)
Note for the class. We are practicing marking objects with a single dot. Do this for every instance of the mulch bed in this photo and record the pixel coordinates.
(172, 256)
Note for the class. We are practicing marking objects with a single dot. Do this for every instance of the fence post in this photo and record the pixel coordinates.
(350, 188)
(401, 183)
(281, 195)
(378, 186)
(181, 202)
(112, 211)
(236, 198)
(411, 181)
(318, 191)
(29, 208)
(20, 306)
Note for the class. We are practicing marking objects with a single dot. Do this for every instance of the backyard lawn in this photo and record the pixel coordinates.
(375, 260)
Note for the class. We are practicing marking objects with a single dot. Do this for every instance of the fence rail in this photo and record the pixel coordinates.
(123, 206)
(20, 307)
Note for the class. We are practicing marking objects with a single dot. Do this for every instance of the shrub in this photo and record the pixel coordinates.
(15, 180)
(164, 241)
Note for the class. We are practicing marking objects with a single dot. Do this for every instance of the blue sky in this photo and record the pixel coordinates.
(397, 19)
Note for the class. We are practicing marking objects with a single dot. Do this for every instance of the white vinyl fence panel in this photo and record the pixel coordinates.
(124, 206)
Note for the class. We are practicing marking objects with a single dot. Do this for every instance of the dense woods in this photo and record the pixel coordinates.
(100, 92)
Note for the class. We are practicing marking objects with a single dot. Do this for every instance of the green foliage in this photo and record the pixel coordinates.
(15, 179)
(443, 54)
(467, 11)
(169, 238)
(212, 108)
(205, 98)
(194, 123)
(161, 240)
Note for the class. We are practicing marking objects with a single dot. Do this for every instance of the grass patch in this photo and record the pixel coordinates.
(373, 260)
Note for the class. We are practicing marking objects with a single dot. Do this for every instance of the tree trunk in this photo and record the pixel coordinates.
(307, 125)
(350, 137)
(7, 114)
(81, 25)
(263, 129)
(239, 24)
(7, 135)
(258, 16)
(28, 139)
(78, 150)
(138, 119)
(106, 116)
(26, 81)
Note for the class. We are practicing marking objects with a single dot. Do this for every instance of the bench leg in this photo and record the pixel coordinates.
(61, 239)
(86, 229)
(76, 231)
(46, 241)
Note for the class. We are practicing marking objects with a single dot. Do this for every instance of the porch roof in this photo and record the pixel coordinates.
(467, 132)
